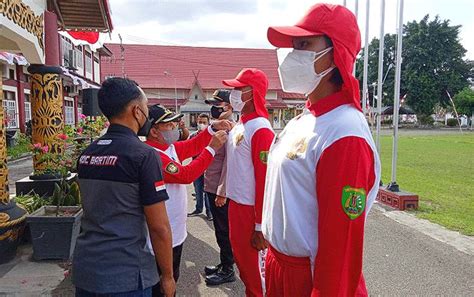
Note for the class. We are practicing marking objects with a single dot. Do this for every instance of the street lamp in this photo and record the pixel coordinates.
(167, 73)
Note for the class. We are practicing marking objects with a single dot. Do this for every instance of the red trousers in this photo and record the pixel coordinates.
(241, 228)
(287, 276)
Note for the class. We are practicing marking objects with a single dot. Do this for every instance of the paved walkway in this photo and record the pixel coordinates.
(403, 256)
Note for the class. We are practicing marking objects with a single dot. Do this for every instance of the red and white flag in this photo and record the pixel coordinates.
(160, 186)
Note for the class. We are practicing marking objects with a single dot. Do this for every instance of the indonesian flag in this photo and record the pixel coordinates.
(90, 37)
(160, 186)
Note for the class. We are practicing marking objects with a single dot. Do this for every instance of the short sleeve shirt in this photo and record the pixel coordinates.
(118, 176)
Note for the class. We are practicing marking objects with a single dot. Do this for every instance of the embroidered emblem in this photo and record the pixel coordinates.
(238, 139)
(353, 201)
(299, 147)
(264, 157)
(172, 168)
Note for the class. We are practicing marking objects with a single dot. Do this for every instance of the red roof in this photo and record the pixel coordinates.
(289, 96)
(147, 64)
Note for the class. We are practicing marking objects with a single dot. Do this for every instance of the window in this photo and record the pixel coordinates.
(26, 77)
(66, 45)
(27, 111)
(88, 62)
(11, 73)
(69, 112)
(9, 107)
(27, 107)
(78, 53)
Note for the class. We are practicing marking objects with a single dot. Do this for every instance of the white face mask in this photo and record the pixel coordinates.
(235, 99)
(202, 127)
(297, 73)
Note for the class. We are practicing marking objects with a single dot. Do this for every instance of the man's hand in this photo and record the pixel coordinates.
(218, 140)
(222, 125)
(181, 124)
(168, 286)
(258, 241)
(220, 201)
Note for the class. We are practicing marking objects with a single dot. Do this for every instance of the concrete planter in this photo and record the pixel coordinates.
(54, 237)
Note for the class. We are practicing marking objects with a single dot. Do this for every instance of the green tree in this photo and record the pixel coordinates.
(433, 63)
(464, 102)
(372, 75)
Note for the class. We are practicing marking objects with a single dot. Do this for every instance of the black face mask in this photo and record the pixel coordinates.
(216, 111)
(145, 129)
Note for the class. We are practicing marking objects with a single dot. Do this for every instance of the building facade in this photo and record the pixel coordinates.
(81, 66)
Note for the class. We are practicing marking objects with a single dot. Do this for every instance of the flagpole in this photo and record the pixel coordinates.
(357, 19)
(366, 58)
(380, 75)
(393, 186)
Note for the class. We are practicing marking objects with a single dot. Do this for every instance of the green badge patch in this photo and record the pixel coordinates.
(264, 157)
(172, 168)
(353, 201)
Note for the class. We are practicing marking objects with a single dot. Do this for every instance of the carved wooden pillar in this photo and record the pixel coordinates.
(4, 192)
(12, 217)
(46, 97)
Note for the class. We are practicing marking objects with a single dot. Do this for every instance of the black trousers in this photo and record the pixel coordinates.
(221, 227)
(177, 251)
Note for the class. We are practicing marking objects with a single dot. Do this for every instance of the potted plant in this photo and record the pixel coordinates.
(55, 227)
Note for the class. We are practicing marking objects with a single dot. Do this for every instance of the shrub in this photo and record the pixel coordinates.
(452, 122)
(425, 119)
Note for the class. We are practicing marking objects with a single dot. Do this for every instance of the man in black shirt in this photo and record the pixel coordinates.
(123, 196)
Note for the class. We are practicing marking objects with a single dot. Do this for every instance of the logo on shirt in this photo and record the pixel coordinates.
(264, 157)
(353, 201)
(171, 168)
(238, 139)
(298, 148)
(160, 186)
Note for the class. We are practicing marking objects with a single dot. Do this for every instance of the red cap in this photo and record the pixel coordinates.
(257, 79)
(340, 25)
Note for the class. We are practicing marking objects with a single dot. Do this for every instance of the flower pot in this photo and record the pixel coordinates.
(12, 225)
(54, 237)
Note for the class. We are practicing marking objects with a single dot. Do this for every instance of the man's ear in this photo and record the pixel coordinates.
(154, 132)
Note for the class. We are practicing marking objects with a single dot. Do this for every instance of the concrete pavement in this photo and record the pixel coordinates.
(402, 257)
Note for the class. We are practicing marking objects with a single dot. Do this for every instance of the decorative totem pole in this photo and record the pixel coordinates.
(46, 110)
(12, 218)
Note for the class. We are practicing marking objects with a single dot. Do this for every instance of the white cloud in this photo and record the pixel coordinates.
(234, 23)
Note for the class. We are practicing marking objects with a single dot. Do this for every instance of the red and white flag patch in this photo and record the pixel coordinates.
(160, 186)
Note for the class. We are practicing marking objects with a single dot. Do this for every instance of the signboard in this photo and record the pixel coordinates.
(22, 28)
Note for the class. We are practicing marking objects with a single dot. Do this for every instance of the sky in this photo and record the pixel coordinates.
(244, 23)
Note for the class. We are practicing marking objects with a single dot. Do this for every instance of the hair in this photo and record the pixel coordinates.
(115, 94)
(204, 115)
(336, 77)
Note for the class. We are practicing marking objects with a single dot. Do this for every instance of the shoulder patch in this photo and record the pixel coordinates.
(264, 157)
(171, 168)
(353, 201)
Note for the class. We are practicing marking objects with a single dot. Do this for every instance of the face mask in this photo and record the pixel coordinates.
(145, 128)
(171, 136)
(216, 112)
(297, 73)
(235, 99)
(202, 127)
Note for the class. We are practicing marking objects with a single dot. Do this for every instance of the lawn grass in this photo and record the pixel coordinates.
(440, 169)
(22, 146)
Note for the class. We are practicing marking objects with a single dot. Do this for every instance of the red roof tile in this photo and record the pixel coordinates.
(146, 64)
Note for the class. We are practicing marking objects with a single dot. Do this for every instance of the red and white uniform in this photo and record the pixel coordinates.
(247, 149)
(316, 246)
(176, 176)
